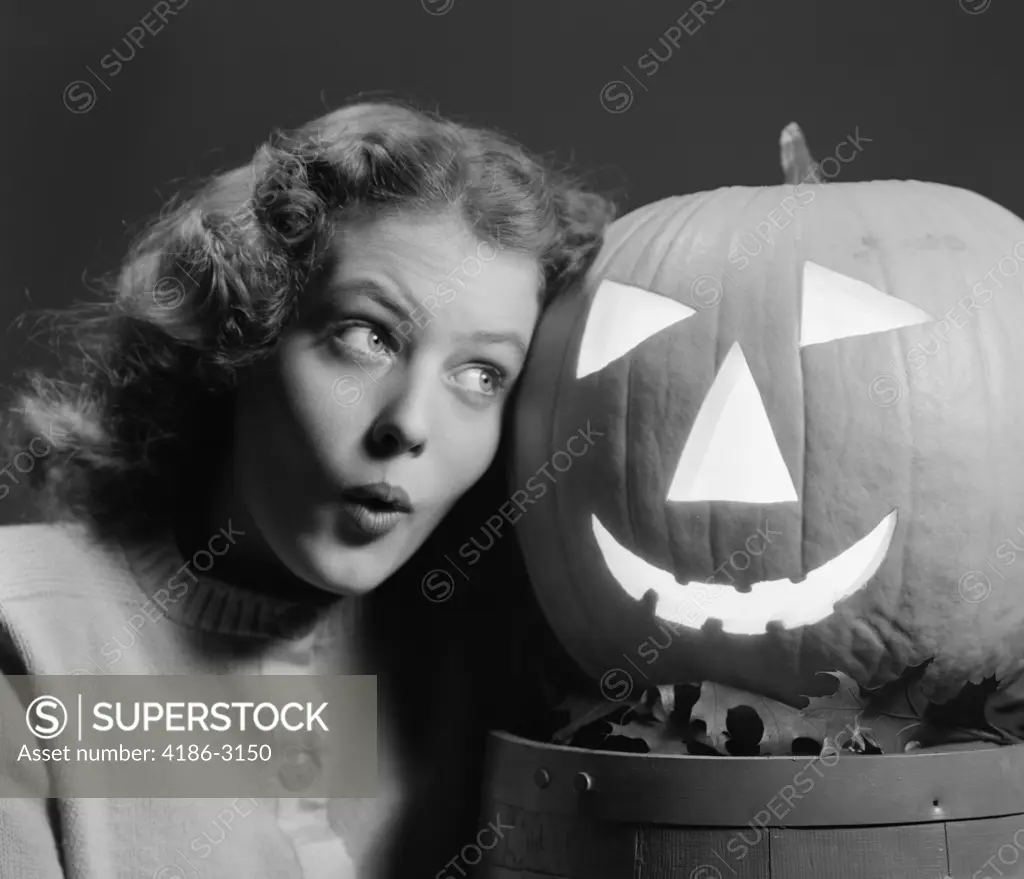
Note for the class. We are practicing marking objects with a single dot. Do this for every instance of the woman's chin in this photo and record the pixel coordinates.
(336, 563)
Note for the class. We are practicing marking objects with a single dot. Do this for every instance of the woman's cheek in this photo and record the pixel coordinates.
(469, 451)
(327, 408)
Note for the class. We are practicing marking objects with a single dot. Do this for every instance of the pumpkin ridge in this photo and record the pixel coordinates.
(938, 671)
(798, 273)
(657, 221)
(714, 528)
(647, 217)
(611, 253)
(668, 545)
(554, 423)
(992, 660)
(905, 521)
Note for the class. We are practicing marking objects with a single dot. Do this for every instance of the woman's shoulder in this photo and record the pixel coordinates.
(52, 557)
(56, 581)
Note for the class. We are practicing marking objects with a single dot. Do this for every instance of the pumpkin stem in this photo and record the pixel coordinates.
(798, 165)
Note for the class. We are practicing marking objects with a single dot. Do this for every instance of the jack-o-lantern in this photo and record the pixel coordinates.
(806, 412)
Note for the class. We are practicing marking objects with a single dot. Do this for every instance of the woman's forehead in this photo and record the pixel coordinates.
(440, 267)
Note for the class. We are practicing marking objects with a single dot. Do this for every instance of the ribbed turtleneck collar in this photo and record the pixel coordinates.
(197, 599)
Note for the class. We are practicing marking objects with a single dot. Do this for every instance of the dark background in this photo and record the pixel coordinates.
(934, 84)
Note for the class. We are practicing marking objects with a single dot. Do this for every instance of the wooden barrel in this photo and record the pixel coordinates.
(568, 813)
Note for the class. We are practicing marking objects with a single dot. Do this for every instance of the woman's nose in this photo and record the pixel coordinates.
(401, 426)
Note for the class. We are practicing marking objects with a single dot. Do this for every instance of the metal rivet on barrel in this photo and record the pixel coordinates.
(582, 782)
(542, 777)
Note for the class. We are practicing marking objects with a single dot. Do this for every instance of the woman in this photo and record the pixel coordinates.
(306, 364)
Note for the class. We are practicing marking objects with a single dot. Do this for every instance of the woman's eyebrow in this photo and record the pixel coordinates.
(401, 304)
(493, 338)
(405, 306)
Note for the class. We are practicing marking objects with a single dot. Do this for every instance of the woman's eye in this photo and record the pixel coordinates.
(365, 342)
(483, 380)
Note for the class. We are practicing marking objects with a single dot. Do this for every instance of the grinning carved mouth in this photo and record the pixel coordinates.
(748, 613)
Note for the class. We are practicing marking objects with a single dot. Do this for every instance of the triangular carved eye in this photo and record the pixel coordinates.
(731, 453)
(836, 306)
(620, 318)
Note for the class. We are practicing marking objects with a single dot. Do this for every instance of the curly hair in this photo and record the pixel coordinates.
(143, 390)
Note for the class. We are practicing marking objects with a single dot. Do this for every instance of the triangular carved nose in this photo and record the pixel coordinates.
(731, 453)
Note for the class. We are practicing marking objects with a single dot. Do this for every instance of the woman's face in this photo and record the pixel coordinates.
(383, 404)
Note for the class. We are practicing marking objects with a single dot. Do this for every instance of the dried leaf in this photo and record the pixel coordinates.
(655, 721)
(720, 709)
(844, 703)
(582, 711)
(907, 720)
(894, 718)
(651, 724)
(840, 715)
(660, 738)
(838, 720)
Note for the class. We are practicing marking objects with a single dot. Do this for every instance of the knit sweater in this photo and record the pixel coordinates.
(70, 603)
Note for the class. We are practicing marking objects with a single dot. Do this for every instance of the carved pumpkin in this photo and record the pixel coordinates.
(807, 441)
